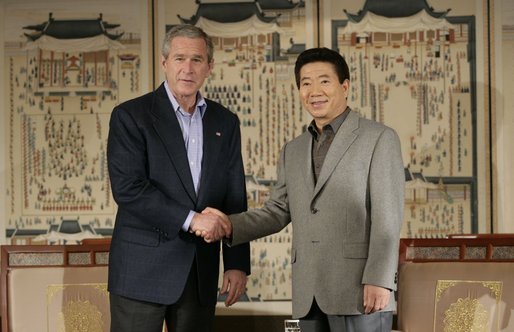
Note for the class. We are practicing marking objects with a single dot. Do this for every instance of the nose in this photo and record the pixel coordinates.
(188, 66)
(315, 88)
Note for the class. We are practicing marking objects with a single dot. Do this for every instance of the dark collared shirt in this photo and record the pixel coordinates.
(321, 141)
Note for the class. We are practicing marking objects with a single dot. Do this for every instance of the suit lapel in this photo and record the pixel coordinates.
(212, 139)
(305, 156)
(345, 136)
(167, 127)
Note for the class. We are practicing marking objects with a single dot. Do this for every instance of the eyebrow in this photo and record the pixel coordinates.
(193, 56)
(320, 76)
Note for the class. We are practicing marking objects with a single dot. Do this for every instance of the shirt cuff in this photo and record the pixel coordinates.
(185, 226)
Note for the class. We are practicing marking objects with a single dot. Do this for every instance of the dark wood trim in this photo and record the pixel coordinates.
(436, 249)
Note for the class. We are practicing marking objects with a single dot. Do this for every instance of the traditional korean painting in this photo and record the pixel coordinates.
(413, 69)
(66, 69)
(256, 45)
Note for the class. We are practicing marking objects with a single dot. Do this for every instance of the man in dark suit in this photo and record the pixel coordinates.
(341, 185)
(170, 154)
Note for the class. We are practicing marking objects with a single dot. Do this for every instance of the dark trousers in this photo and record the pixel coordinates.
(186, 315)
(317, 321)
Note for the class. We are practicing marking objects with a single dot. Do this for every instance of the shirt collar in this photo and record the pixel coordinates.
(201, 105)
(334, 125)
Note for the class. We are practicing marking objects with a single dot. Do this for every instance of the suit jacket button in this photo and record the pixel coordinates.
(314, 210)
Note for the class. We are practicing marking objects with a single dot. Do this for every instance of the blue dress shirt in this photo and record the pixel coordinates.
(192, 131)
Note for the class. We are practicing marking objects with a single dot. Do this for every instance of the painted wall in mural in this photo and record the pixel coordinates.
(418, 80)
(62, 86)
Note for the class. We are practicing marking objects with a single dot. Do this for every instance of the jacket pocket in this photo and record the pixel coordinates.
(140, 236)
(355, 250)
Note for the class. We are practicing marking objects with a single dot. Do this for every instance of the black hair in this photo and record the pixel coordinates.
(322, 54)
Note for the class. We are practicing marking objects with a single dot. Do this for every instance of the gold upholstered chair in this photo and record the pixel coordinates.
(456, 285)
(54, 288)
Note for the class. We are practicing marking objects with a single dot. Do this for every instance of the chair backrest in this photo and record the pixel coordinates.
(63, 287)
(459, 284)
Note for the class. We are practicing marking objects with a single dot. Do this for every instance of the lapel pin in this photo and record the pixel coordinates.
(218, 134)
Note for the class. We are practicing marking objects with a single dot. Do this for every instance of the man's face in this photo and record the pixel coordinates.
(321, 93)
(187, 66)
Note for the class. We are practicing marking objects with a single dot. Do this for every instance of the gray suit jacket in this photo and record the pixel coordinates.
(346, 227)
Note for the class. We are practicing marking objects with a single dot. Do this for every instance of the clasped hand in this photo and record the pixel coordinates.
(212, 225)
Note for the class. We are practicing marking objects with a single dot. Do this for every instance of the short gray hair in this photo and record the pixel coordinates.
(189, 31)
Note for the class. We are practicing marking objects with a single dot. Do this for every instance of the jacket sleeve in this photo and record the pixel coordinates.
(386, 194)
(269, 219)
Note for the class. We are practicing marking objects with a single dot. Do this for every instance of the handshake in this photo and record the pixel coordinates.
(212, 225)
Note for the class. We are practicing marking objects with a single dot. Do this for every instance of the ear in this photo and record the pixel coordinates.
(346, 85)
(163, 63)
(346, 88)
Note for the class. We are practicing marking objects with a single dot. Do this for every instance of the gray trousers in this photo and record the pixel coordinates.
(318, 321)
(186, 315)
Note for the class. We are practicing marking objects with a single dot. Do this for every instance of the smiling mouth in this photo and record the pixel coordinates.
(317, 103)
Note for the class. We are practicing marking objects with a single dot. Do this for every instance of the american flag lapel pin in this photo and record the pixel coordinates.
(218, 134)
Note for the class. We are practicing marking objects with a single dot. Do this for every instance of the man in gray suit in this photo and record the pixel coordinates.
(341, 185)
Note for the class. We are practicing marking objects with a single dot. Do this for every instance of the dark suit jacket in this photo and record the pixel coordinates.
(150, 255)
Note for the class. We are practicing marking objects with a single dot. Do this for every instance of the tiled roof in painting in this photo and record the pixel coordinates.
(72, 29)
(228, 12)
(394, 8)
(280, 4)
